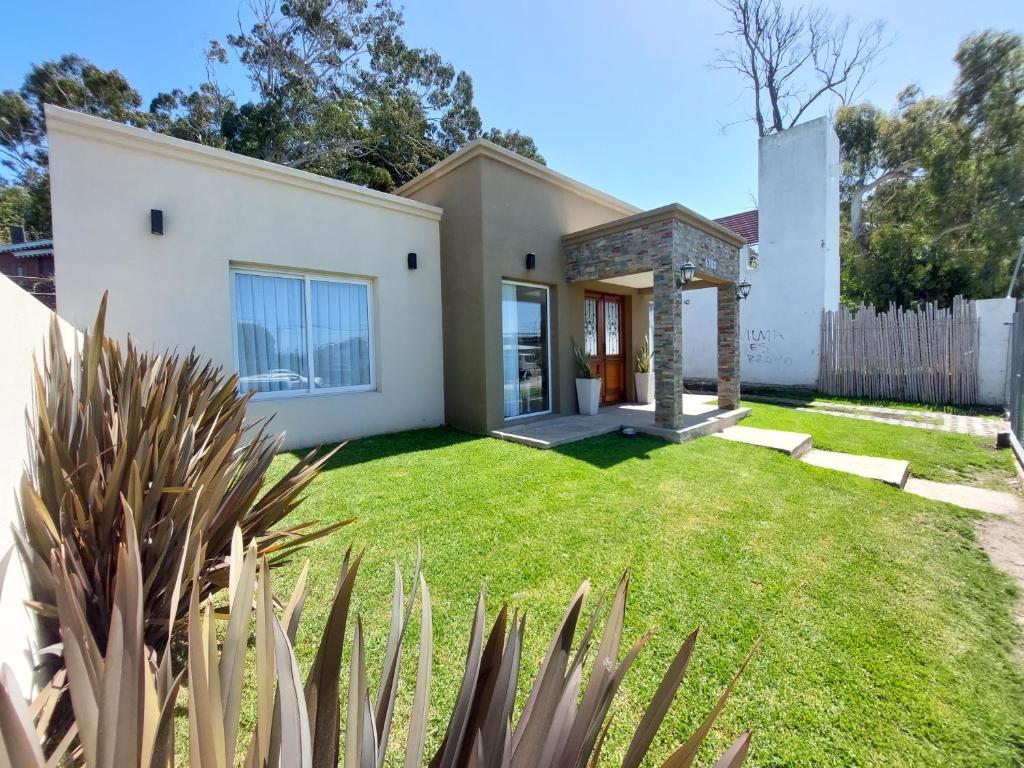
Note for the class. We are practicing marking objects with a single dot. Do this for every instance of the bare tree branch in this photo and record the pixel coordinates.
(794, 59)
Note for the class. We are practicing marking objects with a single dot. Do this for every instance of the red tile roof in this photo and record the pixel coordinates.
(744, 224)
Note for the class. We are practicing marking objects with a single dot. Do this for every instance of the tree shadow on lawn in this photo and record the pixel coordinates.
(602, 452)
(614, 448)
(363, 449)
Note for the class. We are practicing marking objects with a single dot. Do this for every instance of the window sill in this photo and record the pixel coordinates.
(285, 395)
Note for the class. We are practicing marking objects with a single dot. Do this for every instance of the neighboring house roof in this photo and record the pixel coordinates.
(28, 250)
(743, 224)
(485, 148)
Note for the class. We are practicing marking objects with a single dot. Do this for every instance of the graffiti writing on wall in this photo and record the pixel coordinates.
(765, 346)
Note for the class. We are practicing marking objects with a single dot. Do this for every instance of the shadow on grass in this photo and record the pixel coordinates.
(602, 452)
(614, 448)
(376, 447)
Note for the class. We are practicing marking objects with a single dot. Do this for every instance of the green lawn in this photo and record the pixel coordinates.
(985, 411)
(887, 633)
(933, 455)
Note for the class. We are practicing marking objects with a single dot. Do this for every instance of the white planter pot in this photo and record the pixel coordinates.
(644, 387)
(588, 395)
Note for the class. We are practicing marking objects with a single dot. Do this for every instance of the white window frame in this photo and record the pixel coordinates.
(307, 277)
(547, 335)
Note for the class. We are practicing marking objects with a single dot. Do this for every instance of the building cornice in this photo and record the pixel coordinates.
(674, 211)
(87, 126)
(484, 148)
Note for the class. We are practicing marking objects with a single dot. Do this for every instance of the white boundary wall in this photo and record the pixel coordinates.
(798, 276)
(995, 321)
(27, 322)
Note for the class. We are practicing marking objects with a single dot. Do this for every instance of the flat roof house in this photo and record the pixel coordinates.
(351, 312)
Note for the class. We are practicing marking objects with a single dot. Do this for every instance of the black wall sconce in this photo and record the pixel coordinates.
(156, 221)
(531, 261)
(411, 260)
(742, 290)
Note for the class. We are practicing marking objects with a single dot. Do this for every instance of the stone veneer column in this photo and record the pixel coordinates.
(728, 348)
(668, 347)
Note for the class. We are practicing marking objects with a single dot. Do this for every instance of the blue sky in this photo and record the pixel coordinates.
(617, 93)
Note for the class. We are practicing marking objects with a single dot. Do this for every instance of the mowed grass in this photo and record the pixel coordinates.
(887, 633)
(933, 455)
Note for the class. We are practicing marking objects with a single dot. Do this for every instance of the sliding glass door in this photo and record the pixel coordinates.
(525, 340)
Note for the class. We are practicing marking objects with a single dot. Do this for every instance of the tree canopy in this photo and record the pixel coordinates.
(933, 191)
(336, 91)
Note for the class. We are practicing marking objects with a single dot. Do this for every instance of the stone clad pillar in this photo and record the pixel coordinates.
(728, 347)
(668, 348)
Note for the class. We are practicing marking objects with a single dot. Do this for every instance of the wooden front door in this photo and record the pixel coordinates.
(604, 318)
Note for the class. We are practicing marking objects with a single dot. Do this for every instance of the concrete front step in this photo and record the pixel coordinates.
(968, 497)
(893, 472)
(794, 444)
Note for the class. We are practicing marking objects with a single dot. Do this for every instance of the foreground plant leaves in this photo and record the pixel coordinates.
(164, 436)
(123, 699)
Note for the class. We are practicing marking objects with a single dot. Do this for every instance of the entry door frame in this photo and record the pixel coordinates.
(601, 361)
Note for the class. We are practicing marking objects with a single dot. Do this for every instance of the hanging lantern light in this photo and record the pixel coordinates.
(742, 290)
(686, 271)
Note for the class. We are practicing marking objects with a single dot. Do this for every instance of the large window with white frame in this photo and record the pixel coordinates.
(301, 334)
(525, 349)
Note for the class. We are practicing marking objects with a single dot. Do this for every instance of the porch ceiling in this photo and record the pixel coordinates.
(657, 241)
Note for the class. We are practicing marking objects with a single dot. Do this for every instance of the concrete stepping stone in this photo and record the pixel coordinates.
(892, 472)
(968, 497)
(794, 444)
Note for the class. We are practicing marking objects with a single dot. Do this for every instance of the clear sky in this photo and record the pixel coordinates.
(617, 93)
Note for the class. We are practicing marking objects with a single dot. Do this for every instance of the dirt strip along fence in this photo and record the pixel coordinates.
(926, 355)
(1015, 374)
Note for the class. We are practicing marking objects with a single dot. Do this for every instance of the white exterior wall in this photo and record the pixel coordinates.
(798, 276)
(27, 323)
(995, 320)
(222, 210)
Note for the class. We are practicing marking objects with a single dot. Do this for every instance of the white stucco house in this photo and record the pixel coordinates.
(300, 283)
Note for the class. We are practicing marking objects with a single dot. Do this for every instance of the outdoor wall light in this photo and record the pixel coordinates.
(742, 290)
(531, 261)
(686, 271)
(156, 221)
(411, 260)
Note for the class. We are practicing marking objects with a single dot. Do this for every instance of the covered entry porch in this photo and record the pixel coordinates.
(669, 250)
(700, 418)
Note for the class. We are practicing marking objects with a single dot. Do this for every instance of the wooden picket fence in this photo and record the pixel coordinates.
(927, 355)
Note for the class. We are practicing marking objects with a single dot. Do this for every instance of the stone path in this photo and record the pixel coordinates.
(979, 426)
(892, 472)
(1000, 533)
(793, 444)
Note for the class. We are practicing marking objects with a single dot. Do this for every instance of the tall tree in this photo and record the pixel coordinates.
(337, 91)
(792, 59)
(934, 191)
(340, 92)
(70, 82)
(516, 141)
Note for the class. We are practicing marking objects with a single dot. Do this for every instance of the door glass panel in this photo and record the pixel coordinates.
(611, 328)
(590, 326)
(524, 320)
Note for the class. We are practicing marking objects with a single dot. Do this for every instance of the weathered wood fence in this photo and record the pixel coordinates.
(928, 355)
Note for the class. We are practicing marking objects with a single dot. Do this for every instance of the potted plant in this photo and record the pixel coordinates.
(643, 375)
(588, 386)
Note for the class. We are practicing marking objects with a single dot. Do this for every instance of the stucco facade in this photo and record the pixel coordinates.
(224, 211)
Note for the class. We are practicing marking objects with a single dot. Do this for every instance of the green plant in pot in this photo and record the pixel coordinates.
(588, 385)
(643, 373)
